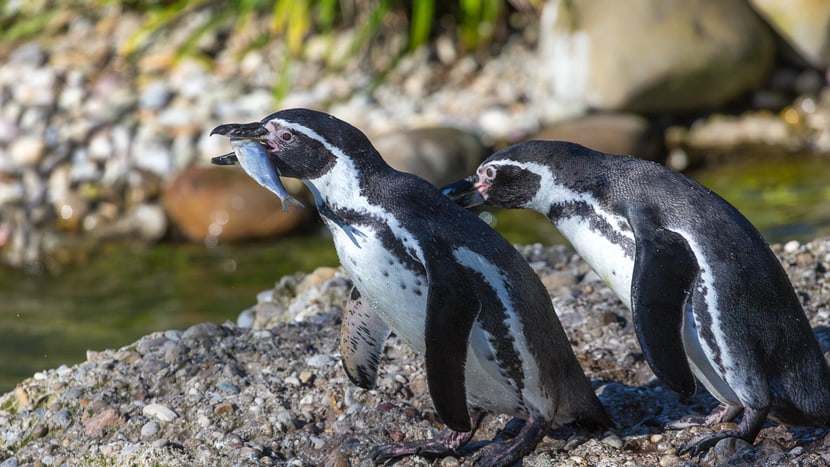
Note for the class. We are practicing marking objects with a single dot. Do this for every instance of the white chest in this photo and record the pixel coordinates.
(606, 257)
(396, 292)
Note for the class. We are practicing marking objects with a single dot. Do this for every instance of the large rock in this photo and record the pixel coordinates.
(219, 204)
(650, 55)
(439, 155)
(804, 24)
(614, 133)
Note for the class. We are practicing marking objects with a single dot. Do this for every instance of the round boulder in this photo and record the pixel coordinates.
(223, 204)
(804, 24)
(650, 55)
(440, 155)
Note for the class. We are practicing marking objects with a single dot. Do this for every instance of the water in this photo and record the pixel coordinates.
(127, 291)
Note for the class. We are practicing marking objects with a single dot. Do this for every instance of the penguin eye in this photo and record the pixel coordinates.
(490, 172)
(285, 136)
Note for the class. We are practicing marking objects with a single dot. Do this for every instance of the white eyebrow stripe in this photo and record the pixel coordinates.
(310, 133)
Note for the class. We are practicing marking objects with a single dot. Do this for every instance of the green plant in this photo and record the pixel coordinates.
(473, 21)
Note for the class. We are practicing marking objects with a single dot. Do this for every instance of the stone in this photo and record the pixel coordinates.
(146, 222)
(105, 419)
(37, 89)
(651, 55)
(149, 429)
(222, 204)
(160, 412)
(30, 54)
(155, 95)
(804, 24)
(27, 150)
(62, 419)
(439, 155)
(614, 133)
(204, 330)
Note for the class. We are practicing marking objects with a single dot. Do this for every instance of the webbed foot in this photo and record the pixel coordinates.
(504, 453)
(721, 413)
(445, 443)
(751, 423)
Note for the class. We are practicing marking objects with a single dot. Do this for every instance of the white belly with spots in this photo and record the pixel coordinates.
(394, 293)
(397, 294)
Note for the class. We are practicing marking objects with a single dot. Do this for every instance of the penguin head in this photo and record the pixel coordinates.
(498, 182)
(304, 144)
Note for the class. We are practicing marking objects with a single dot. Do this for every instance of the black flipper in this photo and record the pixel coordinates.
(362, 337)
(449, 321)
(665, 270)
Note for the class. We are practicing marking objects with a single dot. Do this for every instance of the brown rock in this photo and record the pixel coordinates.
(108, 418)
(223, 204)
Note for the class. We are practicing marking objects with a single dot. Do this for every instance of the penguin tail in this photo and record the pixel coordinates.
(591, 416)
(596, 420)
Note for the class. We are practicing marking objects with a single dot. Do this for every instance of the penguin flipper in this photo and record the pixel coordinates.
(362, 336)
(449, 322)
(665, 270)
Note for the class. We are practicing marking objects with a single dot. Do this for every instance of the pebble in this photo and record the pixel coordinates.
(317, 442)
(62, 419)
(613, 440)
(246, 318)
(160, 412)
(669, 460)
(306, 376)
(320, 360)
(223, 408)
(149, 429)
(204, 330)
(27, 150)
(227, 387)
(791, 246)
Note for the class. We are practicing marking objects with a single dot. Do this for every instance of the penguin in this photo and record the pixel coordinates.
(435, 275)
(709, 299)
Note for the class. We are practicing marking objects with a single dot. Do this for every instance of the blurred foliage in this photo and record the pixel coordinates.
(188, 25)
(474, 21)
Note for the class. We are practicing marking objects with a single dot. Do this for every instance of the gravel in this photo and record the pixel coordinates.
(274, 393)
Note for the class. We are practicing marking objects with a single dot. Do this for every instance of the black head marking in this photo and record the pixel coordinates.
(306, 143)
(507, 185)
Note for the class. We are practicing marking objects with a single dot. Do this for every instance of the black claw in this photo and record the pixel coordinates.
(241, 130)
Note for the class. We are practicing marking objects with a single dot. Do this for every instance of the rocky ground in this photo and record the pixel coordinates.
(269, 389)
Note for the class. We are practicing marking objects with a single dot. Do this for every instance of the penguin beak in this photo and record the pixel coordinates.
(253, 131)
(465, 192)
(249, 152)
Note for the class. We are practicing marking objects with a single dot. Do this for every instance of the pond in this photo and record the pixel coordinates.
(127, 291)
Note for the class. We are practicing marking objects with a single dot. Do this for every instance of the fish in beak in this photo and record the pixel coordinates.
(252, 156)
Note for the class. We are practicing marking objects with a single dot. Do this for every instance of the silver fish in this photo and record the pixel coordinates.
(254, 160)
